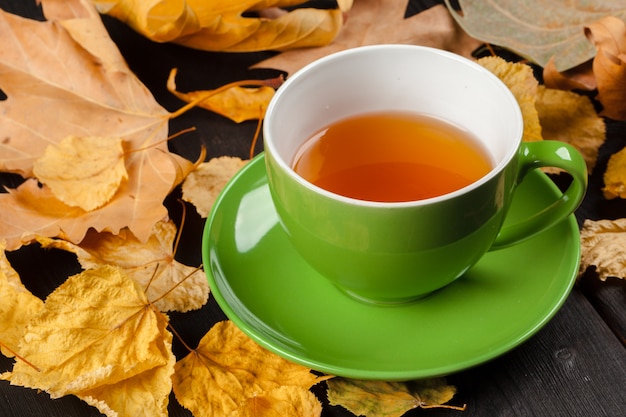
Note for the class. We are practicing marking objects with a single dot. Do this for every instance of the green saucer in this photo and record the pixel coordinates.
(267, 290)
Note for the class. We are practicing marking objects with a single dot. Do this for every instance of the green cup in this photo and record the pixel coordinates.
(388, 253)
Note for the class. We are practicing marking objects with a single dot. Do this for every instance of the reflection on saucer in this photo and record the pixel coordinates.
(254, 220)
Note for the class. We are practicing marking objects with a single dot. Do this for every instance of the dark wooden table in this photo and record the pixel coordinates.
(574, 366)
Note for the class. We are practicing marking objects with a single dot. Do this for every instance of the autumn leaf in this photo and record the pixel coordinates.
(93, 93)
(608, 35)
(570, 117)
(229, 374)
(203, 185)
(144, 395)
(97, 336)
(151, 264)
(615, 176)
(519, 78)
(389, 399)
(220, 25)
(605, 72)
(372, 22)
(237, 103)
(17, 306)
(602, 247)
(284, 401)
(537, 30)
(83, 172)
(551, 114)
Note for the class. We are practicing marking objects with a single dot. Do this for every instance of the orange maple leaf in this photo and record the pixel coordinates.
(79, 69)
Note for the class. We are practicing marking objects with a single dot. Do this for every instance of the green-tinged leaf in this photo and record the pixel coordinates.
(389, 399)
(537, 30)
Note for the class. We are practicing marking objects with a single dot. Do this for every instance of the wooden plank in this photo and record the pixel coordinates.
(572, 367)
(608, 297)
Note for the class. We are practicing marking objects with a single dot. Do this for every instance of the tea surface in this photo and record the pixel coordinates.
(392, 157)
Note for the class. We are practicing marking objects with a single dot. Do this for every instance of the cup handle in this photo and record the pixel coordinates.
(547, 153)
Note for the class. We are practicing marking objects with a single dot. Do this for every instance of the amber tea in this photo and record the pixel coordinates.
(392, 157)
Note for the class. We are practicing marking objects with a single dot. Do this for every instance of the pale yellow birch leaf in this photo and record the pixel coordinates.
(203, 184)
(523, 84)
(571, 118)
(83, 172)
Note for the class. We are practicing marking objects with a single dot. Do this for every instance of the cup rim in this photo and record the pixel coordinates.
(272, 151)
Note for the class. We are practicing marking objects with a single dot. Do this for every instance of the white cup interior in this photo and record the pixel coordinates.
(389, 78)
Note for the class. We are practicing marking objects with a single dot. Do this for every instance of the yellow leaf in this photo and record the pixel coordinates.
(83, 172)
(523, 84)
(389, 399)
(285, 401)
(570, 117)
(97, 329)
(219, 25)
(17, 306)
(151, 264)
(615, 176)
(236, 103)
(228, 369)
(603, 244)
(143, 395)
(77, 83)
(203, 184)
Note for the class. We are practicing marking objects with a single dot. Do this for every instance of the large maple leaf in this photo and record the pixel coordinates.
(98, 337)
(63, 77)
(371, 22)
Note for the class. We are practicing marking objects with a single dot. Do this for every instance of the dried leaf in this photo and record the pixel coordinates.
(219, 25)
(284, 401)
(602, 247)
(83, 172)
(578, 78)
(228, 370)
(204, 184)
(81, 72)
(143, 395)
(609, 66)
(523, 84)
(95, 334)
(571, 118)
(537, 31)
(151, 264)
(236, 103)
(17, 306)
(372, 22)
(389, 399)
(615, 176)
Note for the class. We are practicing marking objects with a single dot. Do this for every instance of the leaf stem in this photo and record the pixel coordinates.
(196, 269)
(20, 357)
(152, 145)
(257, 132)
(179, 232)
